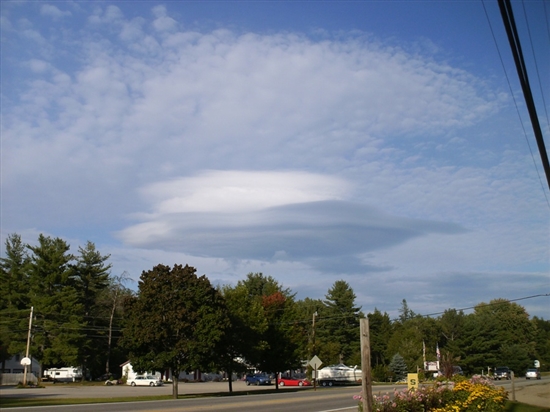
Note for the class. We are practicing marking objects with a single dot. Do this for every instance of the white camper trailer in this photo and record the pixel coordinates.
(339, 375)
(70, 374)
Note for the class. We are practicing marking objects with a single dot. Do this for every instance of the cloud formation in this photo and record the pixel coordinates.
(308, 155)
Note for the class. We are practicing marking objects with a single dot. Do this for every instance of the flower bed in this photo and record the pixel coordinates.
(458, 395)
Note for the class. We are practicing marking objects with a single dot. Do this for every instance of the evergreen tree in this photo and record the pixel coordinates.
(305, 310)
(58, 324)
(380, 333)
(452, 328)
(14, 305)
(340, 323)
(175, 322)
(490, 329)
(405, 313)
(542, 342)
(91, 278)
(399, 367)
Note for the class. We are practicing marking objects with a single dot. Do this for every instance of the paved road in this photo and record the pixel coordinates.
(287, 400)
(333, 399)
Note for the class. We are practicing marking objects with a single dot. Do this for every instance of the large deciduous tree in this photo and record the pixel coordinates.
(281, 350)
(242, 343)
(175, 322)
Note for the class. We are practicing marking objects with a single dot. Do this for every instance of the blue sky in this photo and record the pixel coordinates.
(379, 142)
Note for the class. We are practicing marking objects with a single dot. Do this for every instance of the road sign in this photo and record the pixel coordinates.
(315, 362)
(412, 380)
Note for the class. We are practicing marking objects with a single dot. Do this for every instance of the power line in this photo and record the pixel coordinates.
(515, 102)
(513, 37)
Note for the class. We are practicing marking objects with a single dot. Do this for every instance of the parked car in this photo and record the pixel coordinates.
(502, 372)
(532, 373)
(293, 382)
(145, 381)
(258, 379)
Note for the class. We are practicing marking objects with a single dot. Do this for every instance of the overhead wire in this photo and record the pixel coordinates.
(515, 103)
(536, 63)
(515, 45)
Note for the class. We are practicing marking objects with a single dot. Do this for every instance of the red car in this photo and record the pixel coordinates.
(293, 382)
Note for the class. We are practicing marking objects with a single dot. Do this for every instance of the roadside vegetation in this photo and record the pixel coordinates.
(175, 319)
(458, 394)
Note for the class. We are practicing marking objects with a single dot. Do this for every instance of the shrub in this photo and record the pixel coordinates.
(459, 395)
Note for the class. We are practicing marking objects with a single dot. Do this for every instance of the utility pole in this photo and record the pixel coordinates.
(365, 365)
(313, 339)
(28, 344)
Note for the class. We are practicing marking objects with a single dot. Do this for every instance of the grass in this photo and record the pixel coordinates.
(13, 402)
(22, 402)
(522, 407)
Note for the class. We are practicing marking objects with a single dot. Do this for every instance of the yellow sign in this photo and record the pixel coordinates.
(412, 380)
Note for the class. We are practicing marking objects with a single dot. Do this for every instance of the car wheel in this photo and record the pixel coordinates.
(300, 383)
(281, 384)
(152, 384)
(324, 384)
(247, 383)
(133, 384)
(257, 383)
(330, 383)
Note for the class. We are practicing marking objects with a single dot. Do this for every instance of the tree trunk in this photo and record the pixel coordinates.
(175, 376)
(230, 374)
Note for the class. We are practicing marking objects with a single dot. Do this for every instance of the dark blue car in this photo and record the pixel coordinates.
(258, 379)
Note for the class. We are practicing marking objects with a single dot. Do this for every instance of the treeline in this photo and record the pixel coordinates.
(177, 320)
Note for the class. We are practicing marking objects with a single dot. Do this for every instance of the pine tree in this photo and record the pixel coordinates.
(339, 324)
(14, 305)
(398, 367)
(91, 279)
(58, 325)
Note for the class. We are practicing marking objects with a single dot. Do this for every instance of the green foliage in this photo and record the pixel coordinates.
(91, 279)
(339, 326)
(243, 342)
(542, 342)
(398, 367)
(14, 305)
(175, 322)
(280, 351)
(463, 395)
(58, 324)
(380, 332)
(490, 330)
(79, 316)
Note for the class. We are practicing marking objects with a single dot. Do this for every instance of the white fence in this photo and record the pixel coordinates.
(16, 378)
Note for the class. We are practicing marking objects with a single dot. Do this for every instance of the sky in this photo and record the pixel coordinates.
(384, 143)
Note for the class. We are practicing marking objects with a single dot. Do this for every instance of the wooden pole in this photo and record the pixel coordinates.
(314, 352)
(28, 344)
(365, 365)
